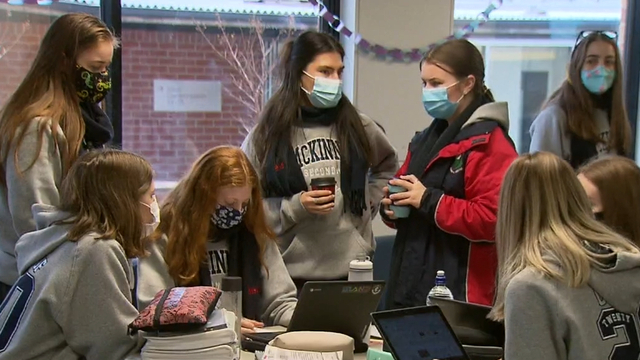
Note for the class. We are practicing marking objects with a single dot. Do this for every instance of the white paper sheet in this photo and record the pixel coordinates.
(274, 353)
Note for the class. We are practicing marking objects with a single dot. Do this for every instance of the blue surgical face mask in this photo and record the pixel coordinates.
(227, 217)
(436, 102)
(598, 80)
(326, 92)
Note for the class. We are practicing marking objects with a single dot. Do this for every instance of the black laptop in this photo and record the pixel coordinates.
(419, 333)
(335, 306)
(470, 322)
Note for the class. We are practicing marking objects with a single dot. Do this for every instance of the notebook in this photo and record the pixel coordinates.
(216, 340)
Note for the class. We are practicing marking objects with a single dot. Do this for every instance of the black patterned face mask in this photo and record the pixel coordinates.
(227, 217)
(92, 87)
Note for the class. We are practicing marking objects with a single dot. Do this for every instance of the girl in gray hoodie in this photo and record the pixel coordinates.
(213, 226)
(73, 299)
(309, 131)
(567, 284)
(52, 117)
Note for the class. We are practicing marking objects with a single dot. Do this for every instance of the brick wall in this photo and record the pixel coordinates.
(14, 64)
(171, 141)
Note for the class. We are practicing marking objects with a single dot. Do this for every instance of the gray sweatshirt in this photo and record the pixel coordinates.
(278, 296)
(321, 246)
(73, 299)
(546, 319)
(549, 132)
(39, 184)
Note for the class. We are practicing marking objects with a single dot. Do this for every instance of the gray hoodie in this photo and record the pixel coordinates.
(546, 319)
(279, 292)
(72, 300)
(321, 246)
(39, 184)
(549, 132)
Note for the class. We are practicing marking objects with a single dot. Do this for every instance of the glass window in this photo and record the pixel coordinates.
(22, 27)
(198, 77)
(527, 45)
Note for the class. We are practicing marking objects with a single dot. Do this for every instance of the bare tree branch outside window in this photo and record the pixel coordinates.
(10, 36)
(252, 57)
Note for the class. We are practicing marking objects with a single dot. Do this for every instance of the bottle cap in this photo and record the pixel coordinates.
(361, 264)
(231, 283)
(440, 273)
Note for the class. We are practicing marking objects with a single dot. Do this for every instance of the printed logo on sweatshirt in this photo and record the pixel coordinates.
(603, 146)
(613, 324)
(319, 157)
(218, 261)
(39, 265)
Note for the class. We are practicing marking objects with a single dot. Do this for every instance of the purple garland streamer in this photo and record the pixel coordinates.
(29, 2)
(414, 54)
(380, 51)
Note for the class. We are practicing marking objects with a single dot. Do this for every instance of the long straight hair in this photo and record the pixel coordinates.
(49, 90)
(579, 106)
(281, 113)
(186, 212)
(617, 179)
(544, 220)
(103, 190)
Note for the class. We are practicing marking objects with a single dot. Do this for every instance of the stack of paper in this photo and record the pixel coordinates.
(216, 340)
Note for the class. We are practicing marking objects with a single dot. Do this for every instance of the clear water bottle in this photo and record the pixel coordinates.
(440, 290)
(231, 300)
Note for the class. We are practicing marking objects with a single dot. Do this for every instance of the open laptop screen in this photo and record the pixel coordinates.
(420, 333)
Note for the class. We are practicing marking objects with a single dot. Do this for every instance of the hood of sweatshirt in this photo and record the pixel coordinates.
(496, 111)
(34, 246)
(616, 281)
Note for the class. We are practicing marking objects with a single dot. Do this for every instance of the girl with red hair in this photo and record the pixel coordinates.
(213, 225)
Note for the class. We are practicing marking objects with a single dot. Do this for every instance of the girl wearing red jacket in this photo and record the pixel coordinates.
(452, 175)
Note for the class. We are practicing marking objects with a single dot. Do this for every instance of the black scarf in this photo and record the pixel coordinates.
(284, 177)
(439, 135)
(98, 129)
(243, 261)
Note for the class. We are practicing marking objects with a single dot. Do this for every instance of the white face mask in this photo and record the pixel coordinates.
(154, 209)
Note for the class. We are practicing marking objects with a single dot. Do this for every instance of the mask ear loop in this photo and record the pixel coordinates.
(464, 93)
(312, 78)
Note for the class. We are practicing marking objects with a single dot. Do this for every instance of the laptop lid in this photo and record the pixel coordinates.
(338, 306)
(419, 333)
(470, 323)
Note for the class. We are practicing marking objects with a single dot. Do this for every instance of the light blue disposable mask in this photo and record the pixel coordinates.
(326, 92)
(598, 80)
(436, 102)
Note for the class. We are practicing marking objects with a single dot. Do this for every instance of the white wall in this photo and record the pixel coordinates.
(390, 92)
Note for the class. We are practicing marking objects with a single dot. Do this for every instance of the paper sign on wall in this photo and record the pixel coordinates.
(187, 95)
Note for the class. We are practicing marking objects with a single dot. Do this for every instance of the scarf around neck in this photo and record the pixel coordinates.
(283, 174)
(98, 129)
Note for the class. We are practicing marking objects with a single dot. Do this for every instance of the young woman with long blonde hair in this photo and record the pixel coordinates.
(51, 118)
(213, 224)
(567, 284)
